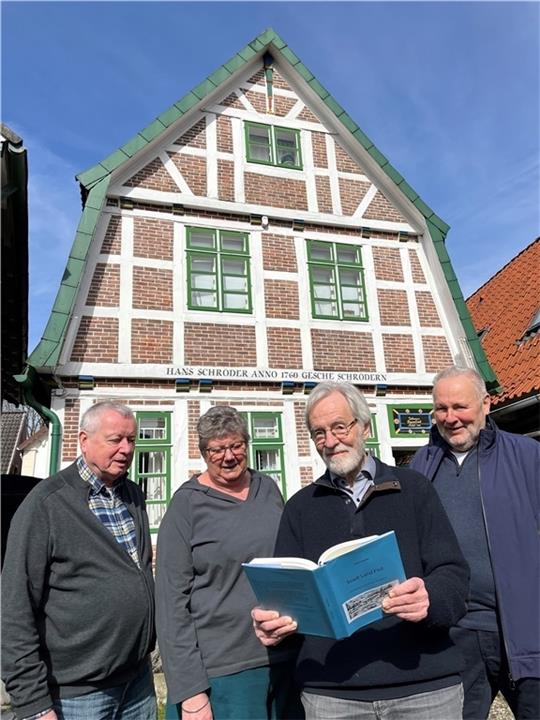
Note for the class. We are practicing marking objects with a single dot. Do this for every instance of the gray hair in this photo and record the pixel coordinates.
(357, 402)
(90, 418)
(218, 422)
(455, 371)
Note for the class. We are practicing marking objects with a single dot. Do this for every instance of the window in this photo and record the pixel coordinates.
(266, 451)
(336, 279)
(372, 442)
(273, 145)
(152, 462)
(218, 270)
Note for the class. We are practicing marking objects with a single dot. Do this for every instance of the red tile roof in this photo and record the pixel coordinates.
(503, 308)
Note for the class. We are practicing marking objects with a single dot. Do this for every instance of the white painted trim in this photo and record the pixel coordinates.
(179, 290)
(295, 111)
(370, 286)
(275, 91)
(413, 311)
(365, 202)
(175, 174)
(304, 304)
(307, 157)
(357, 177)
(333, 177)
(280, 275)
(257, 297)
(246, 116)
(239, 152)
(126, 291)
(211, 157)
(245, 102)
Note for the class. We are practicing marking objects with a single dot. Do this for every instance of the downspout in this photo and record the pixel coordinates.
(46, 413)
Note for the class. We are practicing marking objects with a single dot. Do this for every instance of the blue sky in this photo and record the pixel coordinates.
(449, 92)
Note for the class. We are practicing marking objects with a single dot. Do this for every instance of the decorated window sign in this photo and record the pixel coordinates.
(271, 145)
(410, 420)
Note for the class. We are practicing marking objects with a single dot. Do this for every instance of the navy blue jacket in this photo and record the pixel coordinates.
(390, 657)
(508, 468)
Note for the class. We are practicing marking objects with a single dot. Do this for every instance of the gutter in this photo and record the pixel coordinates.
(28, 380)
(518, 405)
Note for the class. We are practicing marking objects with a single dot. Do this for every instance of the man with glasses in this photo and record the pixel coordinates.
(403, 666)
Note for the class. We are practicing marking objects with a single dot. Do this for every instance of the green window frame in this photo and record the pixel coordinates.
(273, 145)
(218, 270)
(372, 442)
(266, 447)
(336, 280)
(151, 467)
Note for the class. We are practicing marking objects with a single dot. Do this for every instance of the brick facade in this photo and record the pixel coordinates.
(96, 340)
(153, 238)
(387, 263)
(70, 434)
(284, 348)
(281, 299)
(112, 241)
(193, 170)
(342, 349)
(151, 341)
(153, 176)
(399, 353)
(427, 312)
(105, 286)
(275, 191)
(278, 253)
(152, 288)
(222, 345)
(437, 354)
(393, 307)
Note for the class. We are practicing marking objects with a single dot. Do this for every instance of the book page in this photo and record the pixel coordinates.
(344, 547)
(285, 562)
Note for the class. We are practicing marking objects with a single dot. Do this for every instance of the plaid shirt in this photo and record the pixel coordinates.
(107, 505)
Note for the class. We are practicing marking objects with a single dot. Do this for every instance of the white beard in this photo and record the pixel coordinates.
(352, 459)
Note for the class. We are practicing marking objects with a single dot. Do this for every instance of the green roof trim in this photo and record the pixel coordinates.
(96, 180)
(477, 350)
(47, 352)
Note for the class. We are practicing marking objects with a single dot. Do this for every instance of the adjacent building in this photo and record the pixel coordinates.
(249, 243)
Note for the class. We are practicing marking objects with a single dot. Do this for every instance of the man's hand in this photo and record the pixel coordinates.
(408, 600)
(271, 627)
(49, 715)
(197, 708)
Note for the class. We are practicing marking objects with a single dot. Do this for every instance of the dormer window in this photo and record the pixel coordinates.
(272, 145)
(533, 327)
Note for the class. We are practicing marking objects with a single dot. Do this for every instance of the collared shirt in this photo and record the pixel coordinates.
(108, 506)
(362, 482)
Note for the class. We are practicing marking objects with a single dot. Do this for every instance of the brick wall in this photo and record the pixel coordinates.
(193, 413)
(393, 307)
(112, 242)
(275, 191)
(342, 349)
(437, 354)
(278, 253)
(416, 268)
(399, 353)
(279, 81)
(344, 161)
(309, 116)
(70, 431)
(320, 158)
(195, 136)
(232, 101)
(224, 134)
(284, 347)
(226, 180)
(427, 312)
(154, 177)
(223, 345)
(151, 341)
(258, 78)
(387, 263)
(96, 341)
(153, 238)
(306, 476)
(281, 299)
(152, 288)
(193, 170)
(302, 436)
(351, 193)
(258, 100)
(105, 286)
(380, 209)
(324, 196)
(283, 105)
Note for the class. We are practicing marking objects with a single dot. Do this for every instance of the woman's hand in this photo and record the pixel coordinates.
(197, 708)
(271, 627)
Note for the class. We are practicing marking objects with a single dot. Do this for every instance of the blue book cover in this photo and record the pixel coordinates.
(337, 596)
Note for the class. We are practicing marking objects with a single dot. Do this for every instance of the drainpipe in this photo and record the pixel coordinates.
(27, 381)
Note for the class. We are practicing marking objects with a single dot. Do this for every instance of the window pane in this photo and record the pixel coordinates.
(286, 147)
(320, 252)
(235, 302)
(202, 239)
(324, 292)
(203, 282)
(156, 488)
(151, 462)
(352, 310)
(351, 293)
(349, 277)
(322, 275)
(152, 428)
(234, 243)
(200, 298)
(265, 427)
(155, 511)
(203, 263)
(267, 460)
(259, 144)
(325, 308)
(235, 284)
(234, 266)
(348, 254)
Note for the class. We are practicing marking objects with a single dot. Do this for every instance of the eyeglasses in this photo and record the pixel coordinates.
(338, 430)
(238, 448)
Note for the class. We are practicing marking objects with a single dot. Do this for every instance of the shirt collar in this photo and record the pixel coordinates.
(367, 472)
(96, 484)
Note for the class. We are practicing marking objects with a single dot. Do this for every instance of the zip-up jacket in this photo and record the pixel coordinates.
(77, 612)
(508, 470)
(391, 657)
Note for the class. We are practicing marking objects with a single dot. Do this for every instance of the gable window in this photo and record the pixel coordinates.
(336, 279)
(272, 145)
(218, 270)
(151, 467)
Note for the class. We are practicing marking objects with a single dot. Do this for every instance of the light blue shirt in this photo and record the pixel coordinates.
(361, 484)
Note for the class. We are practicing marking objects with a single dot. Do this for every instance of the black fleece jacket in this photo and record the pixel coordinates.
(392, 657)
(77, 613)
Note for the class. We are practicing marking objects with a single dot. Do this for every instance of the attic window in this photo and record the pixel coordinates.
(533, 327)
(272, 145)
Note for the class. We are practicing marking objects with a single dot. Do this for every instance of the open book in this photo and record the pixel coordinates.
(336, 596)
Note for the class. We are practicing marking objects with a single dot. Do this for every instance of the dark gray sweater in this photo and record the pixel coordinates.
(77, 613)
